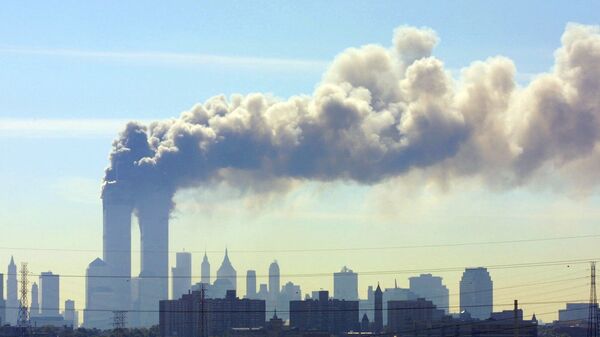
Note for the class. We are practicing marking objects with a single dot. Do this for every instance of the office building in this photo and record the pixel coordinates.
(49, 286)
(12, 294)
(226, 275)
(431, 288)
(98, 297)
(476, 293)
(324, 314)
(193, 316)
(70, 315)
(378, 311)
(409, 317)
(182, 274)
(2, 301)
(345, 285)
(205, 270)
(251, 284)
(34, 309)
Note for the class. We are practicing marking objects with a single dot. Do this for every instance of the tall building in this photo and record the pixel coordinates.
(395, 294)
(476, 293)
(324, 315)
(378, 314)
(71, 315)
(226, 275)
(182, 274)
(12, 293)
(431, 288)
(251, 284)
(274, 279)
(205, 270)
(50, 284)
(34, 310)
(98, 296)
(263, 292)
(2, 301)
(345, 285)
(152, 210)
(289, 292)
(153, 217)
(117, 208)
(191, 316)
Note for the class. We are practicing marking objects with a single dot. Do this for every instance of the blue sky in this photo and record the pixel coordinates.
(80, 69)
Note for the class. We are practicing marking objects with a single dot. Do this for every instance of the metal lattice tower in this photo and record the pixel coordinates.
(593, 310)
(23, 319)
(119, 321)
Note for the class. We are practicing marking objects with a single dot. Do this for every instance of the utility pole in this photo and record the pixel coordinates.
(593, 309)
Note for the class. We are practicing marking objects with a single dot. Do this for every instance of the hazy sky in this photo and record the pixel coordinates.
(72, 73)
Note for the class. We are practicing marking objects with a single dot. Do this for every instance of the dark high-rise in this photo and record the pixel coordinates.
(378, 314)
(193, 316)
(324, 315)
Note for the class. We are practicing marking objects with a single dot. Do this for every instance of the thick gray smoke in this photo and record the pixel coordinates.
(380, 113)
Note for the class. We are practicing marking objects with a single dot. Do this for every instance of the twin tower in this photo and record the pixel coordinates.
(139, 295)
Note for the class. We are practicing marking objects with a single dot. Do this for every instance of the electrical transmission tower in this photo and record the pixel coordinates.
(119, 320)
(593, 310)
(23, 318)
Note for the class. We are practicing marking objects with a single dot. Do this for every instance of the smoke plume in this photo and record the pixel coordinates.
(380, 113)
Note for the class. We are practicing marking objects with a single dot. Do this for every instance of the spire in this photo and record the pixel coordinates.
(205, 259)
(275, 314)
(378, 290)
(395, 283)
(12, 261)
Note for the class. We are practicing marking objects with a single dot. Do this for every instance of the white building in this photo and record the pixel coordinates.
(345, 285)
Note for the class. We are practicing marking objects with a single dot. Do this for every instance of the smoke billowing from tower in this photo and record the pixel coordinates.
(378, 113)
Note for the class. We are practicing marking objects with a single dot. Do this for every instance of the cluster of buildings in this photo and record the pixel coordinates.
(421, 310)
(44, 307)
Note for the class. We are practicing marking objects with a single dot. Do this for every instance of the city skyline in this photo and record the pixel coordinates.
(395, 140)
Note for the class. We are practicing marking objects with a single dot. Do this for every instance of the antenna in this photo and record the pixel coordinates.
(593, 309)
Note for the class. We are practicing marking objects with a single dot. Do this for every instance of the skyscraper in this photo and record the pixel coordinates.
(153, 217)
(98, 296)
(49, 284)
(35, 301)
(431, 288)
(251, 284)
(117, 208)
(205, 270)
(70, 314)
(12, 294)
(378, 314)
(226, 272)
(274, 279)
(182, 275)
(345, 285)
(476, 293)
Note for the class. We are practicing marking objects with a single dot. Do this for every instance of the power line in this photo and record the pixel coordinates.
(377, 273)
(334, 249)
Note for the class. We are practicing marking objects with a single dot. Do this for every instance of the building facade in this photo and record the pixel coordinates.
(345, 285)
(182, 274)
(193, 315)
(476, 293)
(50, 294)
(324, 315)
(431, 288)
